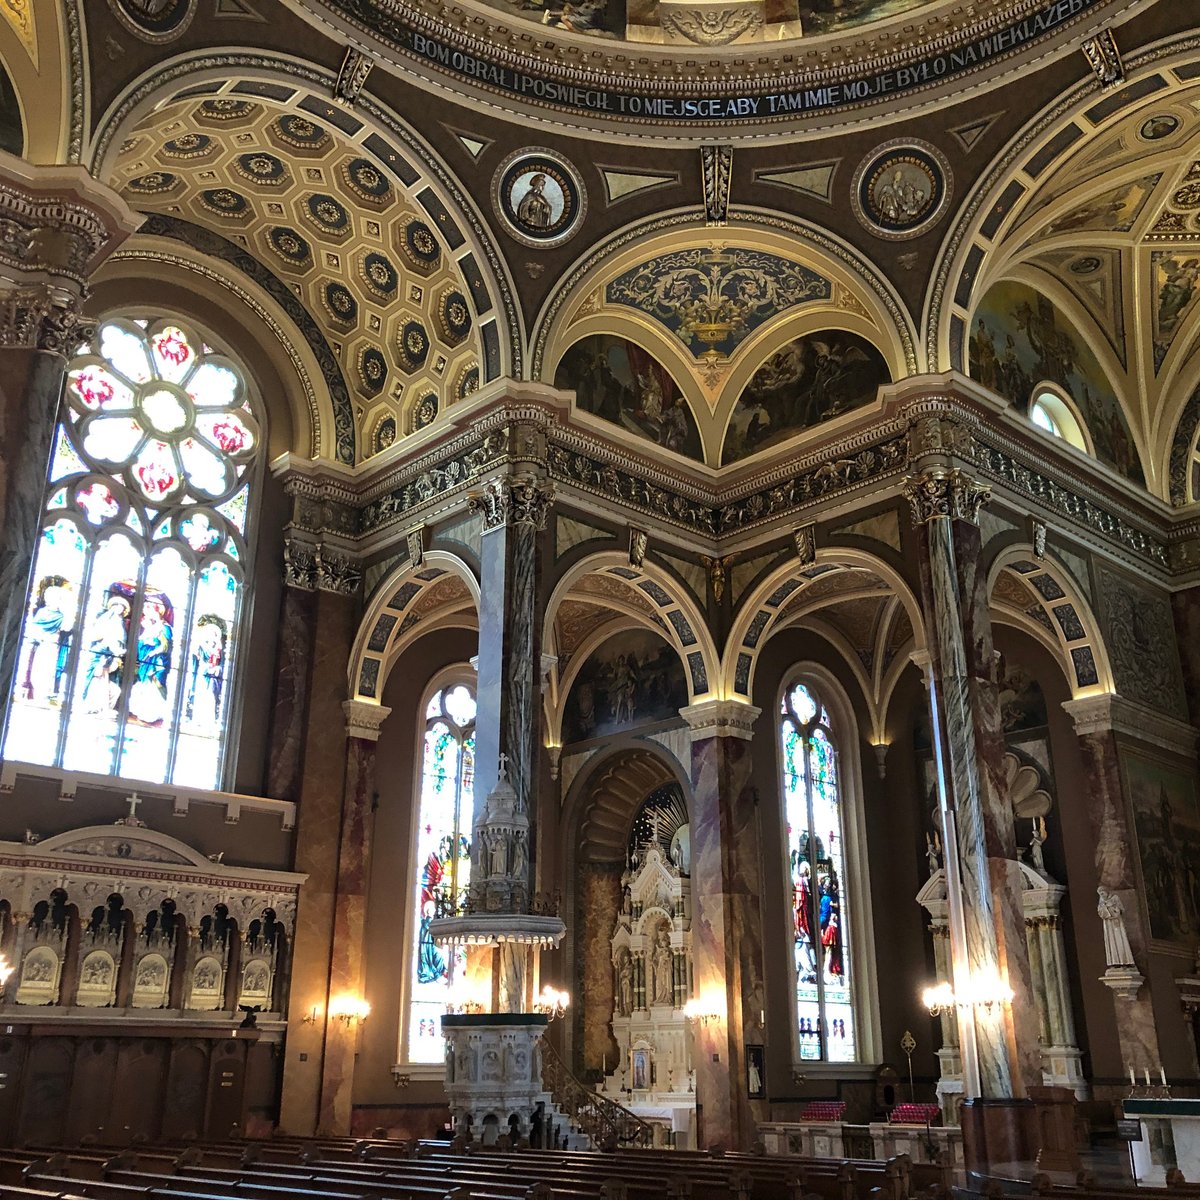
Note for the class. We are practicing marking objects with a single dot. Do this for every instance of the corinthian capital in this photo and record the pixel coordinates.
(940, 493)
(57, 224)
(514, 500)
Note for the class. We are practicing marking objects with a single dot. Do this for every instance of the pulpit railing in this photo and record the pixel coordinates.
(608, 1124)
(495, 896)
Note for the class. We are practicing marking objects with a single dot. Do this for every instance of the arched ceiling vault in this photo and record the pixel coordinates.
(368, 250)
(1100, 213)
(610, 800)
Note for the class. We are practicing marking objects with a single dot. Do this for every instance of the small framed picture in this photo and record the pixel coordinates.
(756, 1073)
(641, 1070)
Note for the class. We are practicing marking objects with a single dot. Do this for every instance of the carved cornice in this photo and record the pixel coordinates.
(364, 720)
(56, 226)
(721, 718)
(313, 567)
(1110, 713)
(940, 493)
(513, 500)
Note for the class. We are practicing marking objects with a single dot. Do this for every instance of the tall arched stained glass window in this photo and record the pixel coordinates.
(139, 580)
(816, 862)
(443, 864)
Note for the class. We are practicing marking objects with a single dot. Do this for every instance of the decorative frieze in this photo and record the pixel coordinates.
(356, 66)
(1104, 57)
(313, 568)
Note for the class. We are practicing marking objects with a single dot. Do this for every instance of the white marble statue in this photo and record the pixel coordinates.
(664, 962)
(1117, 951)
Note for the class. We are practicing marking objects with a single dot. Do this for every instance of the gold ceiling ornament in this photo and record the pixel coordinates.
(19, 14)
(710, 24)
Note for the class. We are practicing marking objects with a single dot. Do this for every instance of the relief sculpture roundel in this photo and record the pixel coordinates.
(154, 20)
(539, 196)
(901, 189)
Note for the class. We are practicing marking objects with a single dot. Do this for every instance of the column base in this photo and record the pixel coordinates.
(999, 1137)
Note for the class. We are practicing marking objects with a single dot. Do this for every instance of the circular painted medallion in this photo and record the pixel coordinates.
(539, 197)
(1157, 127)
(154, 20)
(901, 189)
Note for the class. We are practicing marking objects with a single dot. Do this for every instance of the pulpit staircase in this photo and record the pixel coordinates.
(606, 1124)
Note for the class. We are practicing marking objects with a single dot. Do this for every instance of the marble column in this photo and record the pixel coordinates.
(1097, 720)
(514, 509)
(727, 954)
(57, 225)
(318, 838)
(998, 1037)
(295, 644)
(347, 973)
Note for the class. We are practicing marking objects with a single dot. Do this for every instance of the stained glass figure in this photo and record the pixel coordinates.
(140, 573)
(443, 865)
(815, 844)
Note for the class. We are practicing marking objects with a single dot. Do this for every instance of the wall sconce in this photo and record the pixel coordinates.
(701, 1011)
(938, 999)
(399, 1077)
(982, 993)
(6, 969)
(349, 1009)
(310, 1017)
(552, 1002)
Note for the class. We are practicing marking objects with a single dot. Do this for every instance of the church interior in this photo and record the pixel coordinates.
(613, 583)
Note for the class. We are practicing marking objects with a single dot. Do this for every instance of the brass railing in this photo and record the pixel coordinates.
(608, 1124)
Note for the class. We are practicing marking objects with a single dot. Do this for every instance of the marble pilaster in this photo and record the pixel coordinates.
(57, 225)
(295, 642)
(347, 974)
(318, 835)
(984, 885)
(727, 956)
(1096, 720)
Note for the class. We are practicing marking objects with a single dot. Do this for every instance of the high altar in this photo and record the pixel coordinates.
(652, 974)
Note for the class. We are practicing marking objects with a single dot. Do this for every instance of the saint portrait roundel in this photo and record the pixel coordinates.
(539, 197)
(154, 20)
(901, 189)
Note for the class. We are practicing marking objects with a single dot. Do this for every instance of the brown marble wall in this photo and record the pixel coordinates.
(318, 831)
(347, 967)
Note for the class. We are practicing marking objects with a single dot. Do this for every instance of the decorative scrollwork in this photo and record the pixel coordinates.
(953, 494)
(513, 500)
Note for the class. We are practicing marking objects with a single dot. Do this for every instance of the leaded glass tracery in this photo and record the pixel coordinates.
(140, 575)
(443, 864)
(816, 864)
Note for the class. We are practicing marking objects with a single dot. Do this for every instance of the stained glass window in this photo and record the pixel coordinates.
(816, 864)
(443, 865)
(139, 578)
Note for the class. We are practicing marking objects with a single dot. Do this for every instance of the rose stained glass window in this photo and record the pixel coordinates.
(139, 577)
(438, 979)
(816, 866)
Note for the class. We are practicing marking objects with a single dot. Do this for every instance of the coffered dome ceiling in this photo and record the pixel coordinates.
(398, 306)
(810, 62)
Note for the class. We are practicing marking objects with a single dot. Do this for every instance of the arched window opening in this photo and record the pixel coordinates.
(1051, 413)
(139, 581)
(816, 862)
(443, 865)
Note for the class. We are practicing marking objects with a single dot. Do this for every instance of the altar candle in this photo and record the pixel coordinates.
(1147, 1076)
(1132, 1080)
(1163, 1074)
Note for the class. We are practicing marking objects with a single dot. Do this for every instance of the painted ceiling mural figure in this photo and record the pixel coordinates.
(810, 380)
